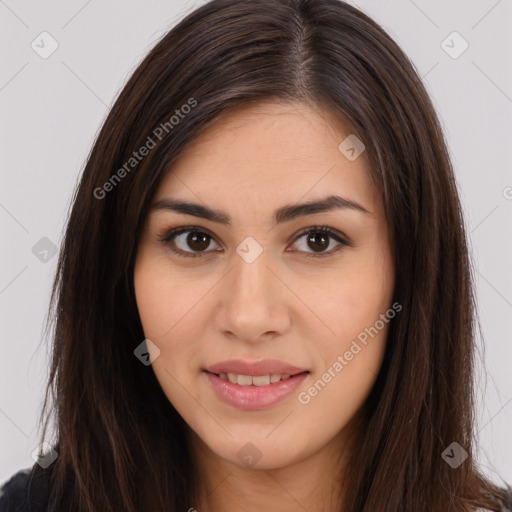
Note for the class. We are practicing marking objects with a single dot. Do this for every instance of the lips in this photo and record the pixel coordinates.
(230, 381)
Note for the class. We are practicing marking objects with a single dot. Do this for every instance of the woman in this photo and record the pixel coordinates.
(264, 296)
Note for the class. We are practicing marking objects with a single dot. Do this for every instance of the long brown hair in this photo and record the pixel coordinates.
(121, 443)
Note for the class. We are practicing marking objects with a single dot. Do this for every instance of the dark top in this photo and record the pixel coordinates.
(28, 490)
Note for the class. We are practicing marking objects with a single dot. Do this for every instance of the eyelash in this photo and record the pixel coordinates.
(324, 230)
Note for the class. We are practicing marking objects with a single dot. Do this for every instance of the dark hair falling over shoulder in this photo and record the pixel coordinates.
(122, 445)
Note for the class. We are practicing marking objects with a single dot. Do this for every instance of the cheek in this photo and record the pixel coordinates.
(340, 391)
(351, 303)
(158, 310)
(153, 305)
(349, 367)
(357, 308)
(162, 297)
(169, 312)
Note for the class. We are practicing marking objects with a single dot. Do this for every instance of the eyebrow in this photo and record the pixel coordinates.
(283, 214)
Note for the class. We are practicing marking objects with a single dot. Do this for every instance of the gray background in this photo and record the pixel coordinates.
(52, 108)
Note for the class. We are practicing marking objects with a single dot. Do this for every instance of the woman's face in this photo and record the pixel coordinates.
(253, 280)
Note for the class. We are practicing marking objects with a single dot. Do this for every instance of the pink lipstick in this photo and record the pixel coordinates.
(254, 385)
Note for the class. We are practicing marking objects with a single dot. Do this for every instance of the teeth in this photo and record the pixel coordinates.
(261, 380)
(257, 380)
(244, 380)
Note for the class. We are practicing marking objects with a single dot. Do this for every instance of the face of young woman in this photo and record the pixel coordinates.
(269, 332)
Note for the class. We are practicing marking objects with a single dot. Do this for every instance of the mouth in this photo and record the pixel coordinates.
(254, 385)
(254, 380)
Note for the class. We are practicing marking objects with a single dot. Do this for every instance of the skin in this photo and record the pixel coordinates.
(285, 305)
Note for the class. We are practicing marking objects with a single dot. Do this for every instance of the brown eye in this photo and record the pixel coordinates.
(187, 241)
(198, 241)
(191, 241)
(194, 242)
(318, 239)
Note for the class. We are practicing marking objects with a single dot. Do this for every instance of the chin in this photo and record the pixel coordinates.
(260, 452)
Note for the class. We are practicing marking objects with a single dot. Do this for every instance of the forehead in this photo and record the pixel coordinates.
(269, 154)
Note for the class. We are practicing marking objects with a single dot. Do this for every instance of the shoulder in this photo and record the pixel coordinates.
(26, 490)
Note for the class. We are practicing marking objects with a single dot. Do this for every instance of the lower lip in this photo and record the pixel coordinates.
(255, 397)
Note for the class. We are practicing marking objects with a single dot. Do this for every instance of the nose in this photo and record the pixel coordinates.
(253, 301)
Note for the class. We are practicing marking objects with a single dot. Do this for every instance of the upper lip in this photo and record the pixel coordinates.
(262, 367)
